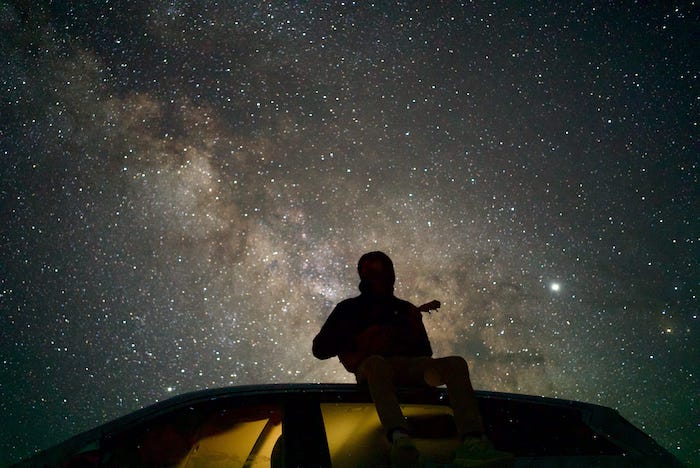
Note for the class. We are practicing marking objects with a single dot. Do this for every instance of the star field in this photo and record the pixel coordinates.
(186, 190)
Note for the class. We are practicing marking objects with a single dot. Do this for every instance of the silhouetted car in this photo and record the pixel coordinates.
(319, 425)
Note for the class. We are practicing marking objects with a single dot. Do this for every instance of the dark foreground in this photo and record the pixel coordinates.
(336, 425)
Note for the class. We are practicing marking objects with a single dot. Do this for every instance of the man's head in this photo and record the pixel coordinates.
(376, 272)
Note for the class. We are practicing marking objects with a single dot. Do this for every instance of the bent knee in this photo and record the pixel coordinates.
(454, 364)
(441, 371)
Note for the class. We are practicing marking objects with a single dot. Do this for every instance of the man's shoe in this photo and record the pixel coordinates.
(477, 452)
(404, 453)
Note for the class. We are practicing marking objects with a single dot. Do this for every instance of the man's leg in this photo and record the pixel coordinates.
(454, 372)
(379, 375)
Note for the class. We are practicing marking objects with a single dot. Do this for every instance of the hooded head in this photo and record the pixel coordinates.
(376, 272)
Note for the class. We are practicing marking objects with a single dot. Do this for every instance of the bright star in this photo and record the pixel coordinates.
(555, 287)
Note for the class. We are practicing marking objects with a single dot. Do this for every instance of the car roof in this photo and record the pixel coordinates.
(534, 428)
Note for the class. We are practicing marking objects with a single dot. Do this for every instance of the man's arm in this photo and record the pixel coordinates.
(334, 337)
(323, 346)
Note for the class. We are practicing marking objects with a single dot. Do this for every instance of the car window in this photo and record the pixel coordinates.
(212, 433)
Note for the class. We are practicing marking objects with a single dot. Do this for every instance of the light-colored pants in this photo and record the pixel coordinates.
(383, 373)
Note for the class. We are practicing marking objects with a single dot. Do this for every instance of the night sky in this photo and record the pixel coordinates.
(185, 192)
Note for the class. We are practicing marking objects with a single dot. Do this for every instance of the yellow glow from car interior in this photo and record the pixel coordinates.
(356, 437)
(246, 444)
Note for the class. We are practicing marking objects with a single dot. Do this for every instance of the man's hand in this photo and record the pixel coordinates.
(376, 339)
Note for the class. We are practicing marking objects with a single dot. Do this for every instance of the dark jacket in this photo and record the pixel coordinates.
(367, 324)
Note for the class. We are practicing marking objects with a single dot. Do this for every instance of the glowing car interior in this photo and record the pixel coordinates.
(336, 425)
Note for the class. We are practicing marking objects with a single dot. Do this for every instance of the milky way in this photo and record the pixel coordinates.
(186, 191)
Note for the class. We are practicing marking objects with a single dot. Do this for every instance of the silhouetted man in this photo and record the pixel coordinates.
(381, 339)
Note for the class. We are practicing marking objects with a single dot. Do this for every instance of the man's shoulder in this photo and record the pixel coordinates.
(347, 310)
(363, 299)
(404, 303)
(349, 303)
